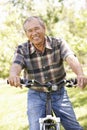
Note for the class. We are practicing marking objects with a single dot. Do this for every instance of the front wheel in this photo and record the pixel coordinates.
(49, 127)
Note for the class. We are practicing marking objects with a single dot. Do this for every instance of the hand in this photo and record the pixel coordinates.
(14, 81)
(82, 81)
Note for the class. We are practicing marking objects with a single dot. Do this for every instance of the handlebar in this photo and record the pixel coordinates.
(49, 85)
(30, 83)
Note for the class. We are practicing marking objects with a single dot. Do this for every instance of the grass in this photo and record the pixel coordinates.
(78, 98)
(13, 107)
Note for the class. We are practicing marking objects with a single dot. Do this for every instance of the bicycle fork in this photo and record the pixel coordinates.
(49, 122)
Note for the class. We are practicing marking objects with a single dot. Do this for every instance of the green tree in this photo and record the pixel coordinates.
(60, 21)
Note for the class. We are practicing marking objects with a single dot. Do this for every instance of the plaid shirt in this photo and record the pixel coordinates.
(47, 66)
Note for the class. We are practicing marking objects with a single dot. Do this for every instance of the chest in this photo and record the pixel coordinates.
(47, 59)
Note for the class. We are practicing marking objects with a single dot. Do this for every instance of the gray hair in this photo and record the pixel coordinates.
(32, 18)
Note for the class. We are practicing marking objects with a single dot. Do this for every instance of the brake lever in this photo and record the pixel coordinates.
(71, 83)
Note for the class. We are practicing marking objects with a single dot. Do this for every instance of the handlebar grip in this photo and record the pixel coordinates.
(7, 82)
(74, 81)
(22, 81)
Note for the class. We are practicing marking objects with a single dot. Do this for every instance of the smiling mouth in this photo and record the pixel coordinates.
(35, 38)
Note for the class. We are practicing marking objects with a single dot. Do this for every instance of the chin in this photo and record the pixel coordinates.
(37, 42)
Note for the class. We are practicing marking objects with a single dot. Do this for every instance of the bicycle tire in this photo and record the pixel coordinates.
(49, 127)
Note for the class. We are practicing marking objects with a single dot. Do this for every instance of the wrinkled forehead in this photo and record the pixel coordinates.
(33, 22)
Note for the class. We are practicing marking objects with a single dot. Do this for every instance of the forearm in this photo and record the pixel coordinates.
(77, 69)
(15, 70)
(75, 65)
(14, 76)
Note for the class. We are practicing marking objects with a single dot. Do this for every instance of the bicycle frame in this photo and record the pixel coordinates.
(49, 122)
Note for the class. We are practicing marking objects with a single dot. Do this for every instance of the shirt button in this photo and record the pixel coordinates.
(43, 67)
(46, 77)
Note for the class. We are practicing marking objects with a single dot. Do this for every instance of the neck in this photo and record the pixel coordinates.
(40, 47)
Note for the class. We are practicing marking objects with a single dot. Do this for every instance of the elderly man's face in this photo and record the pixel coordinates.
(35, 31)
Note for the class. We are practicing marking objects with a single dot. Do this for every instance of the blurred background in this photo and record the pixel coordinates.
(63, 18)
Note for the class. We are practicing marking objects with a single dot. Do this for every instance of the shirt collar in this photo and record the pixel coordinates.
(47, 45)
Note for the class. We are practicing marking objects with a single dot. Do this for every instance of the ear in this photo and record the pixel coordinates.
(45, 27)
(26, 33)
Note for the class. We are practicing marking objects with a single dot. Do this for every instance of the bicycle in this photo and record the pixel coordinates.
(50, 122)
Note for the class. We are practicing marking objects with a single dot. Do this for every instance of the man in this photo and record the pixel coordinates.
(42, 57)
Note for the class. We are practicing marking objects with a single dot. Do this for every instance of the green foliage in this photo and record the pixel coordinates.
(59, 20)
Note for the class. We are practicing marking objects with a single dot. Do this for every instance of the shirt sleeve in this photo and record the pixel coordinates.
(18, 56)
(65, 50)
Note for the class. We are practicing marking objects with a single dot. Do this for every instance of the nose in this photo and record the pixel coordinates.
(34, 33)
(34, 30)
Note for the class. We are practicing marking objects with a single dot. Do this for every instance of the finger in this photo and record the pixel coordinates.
(18, 81)
(20, 86)
(80, 81)
(11, 82)
(85, 80)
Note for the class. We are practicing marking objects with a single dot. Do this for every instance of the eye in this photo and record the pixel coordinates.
(29, 30)
(36, 28)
